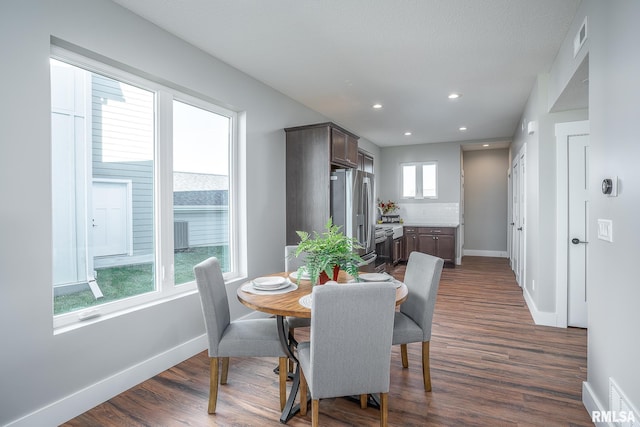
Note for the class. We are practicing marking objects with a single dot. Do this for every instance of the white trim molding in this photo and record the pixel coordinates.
(592, 403)
(485, 253)
(544, 318)
(563, 131)
(82, 400)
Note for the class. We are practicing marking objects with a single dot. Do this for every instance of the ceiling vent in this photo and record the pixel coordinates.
(580, 37)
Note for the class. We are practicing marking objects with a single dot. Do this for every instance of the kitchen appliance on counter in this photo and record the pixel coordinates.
(353, 207)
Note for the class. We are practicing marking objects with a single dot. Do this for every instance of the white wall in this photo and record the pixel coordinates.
(540, 181)
(612, 284)
(448, 157)
(612, 274)
(485, 201)
(39, 368)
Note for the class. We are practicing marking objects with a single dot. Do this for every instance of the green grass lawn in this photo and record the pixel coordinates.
(129, 280)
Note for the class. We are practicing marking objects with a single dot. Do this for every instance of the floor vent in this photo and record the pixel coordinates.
(623, 414)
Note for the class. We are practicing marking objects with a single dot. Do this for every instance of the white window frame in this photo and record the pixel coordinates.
(165, 288)
(418, 177)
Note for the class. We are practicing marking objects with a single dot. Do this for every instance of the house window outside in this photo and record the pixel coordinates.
(419, 180)
(119, 237)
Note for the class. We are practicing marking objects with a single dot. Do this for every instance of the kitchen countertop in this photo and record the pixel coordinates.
(389, 224)
(424, 224)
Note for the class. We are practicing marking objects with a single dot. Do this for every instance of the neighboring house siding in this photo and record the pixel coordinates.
(202, 200)
(122, 148)
(208, 225)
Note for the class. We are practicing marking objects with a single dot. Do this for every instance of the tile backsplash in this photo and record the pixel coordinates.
(429, 213)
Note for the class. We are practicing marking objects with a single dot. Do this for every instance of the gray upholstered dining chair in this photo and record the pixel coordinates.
(349, 352)
(238, 338)
(293, 263)
(413, 322)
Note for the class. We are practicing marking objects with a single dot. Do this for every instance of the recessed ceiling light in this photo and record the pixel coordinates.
(377, 106)
(485, 145)
(407, 134)
(454, 95)
(462, 128)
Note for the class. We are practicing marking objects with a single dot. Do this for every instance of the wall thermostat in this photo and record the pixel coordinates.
(610, 186)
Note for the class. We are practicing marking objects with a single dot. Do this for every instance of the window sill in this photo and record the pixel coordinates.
(99, 314)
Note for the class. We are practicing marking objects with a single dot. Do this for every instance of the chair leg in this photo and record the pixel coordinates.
(225, 370)
(315, 412)
(282, 373)
(363, 400)
(213, 384)
(426, 371)
(403, 354)
(303, 394)
(384, 409)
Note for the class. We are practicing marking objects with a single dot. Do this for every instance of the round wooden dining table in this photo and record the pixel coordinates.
(288, 304)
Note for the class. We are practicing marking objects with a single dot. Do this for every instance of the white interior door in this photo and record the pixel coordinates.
(521, 229)
(578, 146)
(572, 208)
(517, 240)
(111, 218)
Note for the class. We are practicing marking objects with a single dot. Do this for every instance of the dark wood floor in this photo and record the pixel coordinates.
(490, 366)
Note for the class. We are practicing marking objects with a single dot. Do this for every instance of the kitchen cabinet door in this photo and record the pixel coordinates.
(365, 162)
(410, 241)
(344, 149)
(447, 248)
(428, 244)
(436, 241)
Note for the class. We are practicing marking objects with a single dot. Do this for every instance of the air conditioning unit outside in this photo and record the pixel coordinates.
(180, 235)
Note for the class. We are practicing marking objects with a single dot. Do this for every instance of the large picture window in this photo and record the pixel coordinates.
(419, 180)
(141, 188)
(201, 141)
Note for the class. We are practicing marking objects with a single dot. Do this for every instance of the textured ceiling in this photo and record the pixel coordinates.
(339, 57)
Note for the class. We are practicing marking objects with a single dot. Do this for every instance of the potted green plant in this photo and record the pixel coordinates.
(329, 252)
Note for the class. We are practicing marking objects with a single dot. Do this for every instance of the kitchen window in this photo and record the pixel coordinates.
(419, 180)
(142, 189)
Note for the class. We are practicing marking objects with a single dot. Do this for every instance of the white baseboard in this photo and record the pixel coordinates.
(492, 254)
(592, 404)
(81, 401)
(544, 318)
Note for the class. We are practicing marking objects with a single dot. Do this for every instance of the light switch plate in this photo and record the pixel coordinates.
(605, 230)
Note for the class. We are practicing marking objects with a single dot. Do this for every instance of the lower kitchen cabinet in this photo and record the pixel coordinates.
(410, 241)
(436, 241)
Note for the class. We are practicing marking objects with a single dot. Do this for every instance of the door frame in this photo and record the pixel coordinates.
(512, 236)
(518, 162)
(562, 133)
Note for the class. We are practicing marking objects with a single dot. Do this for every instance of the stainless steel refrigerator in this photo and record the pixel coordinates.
(353, 208)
